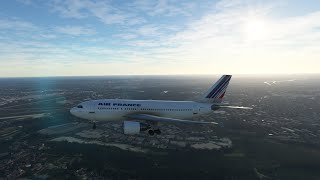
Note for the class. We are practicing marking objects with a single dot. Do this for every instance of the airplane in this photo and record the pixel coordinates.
(151, 112)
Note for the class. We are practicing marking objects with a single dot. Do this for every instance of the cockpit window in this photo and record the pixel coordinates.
(79, 106)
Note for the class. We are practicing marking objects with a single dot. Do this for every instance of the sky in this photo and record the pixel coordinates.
(158, 37)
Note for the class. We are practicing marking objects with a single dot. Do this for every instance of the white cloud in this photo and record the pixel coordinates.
(70, 8)
(135, 20)
(148, 30)
(15, 24)
(218, 42)
(124, 13)
(233, 3)
(103, 10)
(75, 30)
(227, 39)
(144, 43)
(126, 36)
(107, 13)
(164, 7)
(46, 36)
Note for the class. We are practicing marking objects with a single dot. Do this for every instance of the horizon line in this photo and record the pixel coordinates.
(122, 75)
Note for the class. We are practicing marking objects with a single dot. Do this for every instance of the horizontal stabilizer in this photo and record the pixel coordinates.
(214, 107)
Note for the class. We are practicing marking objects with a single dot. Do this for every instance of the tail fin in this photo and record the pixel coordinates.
(217, 91)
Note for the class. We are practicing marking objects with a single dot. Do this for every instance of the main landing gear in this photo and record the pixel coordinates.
(152, 128)
(154, 131)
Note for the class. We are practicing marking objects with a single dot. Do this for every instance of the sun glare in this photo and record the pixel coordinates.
(255, 29)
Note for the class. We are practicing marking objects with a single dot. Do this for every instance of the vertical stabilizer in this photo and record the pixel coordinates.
(217, 91)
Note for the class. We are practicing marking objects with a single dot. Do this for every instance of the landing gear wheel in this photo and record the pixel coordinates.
(157, 131)
(151, 132)
(94, 126)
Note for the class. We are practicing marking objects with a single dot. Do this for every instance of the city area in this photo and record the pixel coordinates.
(278, 139)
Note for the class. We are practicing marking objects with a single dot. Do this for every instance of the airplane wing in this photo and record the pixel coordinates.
(148, 117)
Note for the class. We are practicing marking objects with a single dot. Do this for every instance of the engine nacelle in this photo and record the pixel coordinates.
(131, 127)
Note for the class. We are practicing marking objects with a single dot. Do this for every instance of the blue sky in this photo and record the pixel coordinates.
(86, 37)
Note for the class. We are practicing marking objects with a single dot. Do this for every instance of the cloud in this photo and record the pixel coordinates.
(148, 30)
(14, 29)
(165, 7)
(221, 41)
(26, 2)
(70, 8)
(46, 36)
(126, 36)
(135, 20)
(75, 30)
(129, 13)
(107, 13)
(227, 37)
(232, 3)
(144, 43)
(102, 10)
(228, 26)
(16, 24)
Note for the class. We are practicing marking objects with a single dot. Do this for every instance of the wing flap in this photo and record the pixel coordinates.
(148, 117)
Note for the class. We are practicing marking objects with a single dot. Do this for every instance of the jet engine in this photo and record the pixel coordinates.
(133, 127)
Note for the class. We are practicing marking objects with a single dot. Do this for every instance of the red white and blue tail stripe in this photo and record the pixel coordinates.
(217, 91)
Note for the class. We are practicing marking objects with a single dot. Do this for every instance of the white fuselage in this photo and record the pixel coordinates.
(118, 109)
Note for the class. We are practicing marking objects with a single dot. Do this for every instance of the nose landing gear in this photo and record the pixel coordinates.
(94, 126)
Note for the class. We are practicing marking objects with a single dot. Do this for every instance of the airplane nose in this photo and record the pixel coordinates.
(72, 111)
